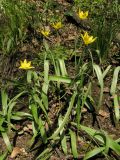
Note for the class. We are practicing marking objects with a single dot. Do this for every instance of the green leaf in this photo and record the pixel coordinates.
(116, 108)
(64, 144)
(47, 151)
(10, 113)
(4, 97)
(114, 80)
(73, 143)
(92, 132)
(37, 100)
(16, 97)
(7, 142)
(29, 76)
(99, 74)
(45, 84)
(42, 130)
(20, 115)
(94, 152)
(106, 71)
(114, 145)
(62, 67)
(2, 129)
(62, 136)
(4, 156)
(9, 44)
(60, 79)
(66, 117)
(103, 138)
(34, 111)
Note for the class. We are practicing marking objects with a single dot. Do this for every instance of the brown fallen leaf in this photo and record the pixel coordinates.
(106, 90)
(103, 113)
(27, 128)
(16, 151)
(84, 110)
(30, 126)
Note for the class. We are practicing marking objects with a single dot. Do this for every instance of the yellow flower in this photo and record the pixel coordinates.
(25, 65)
(87, 38)
(57, 25)
(82, 15)
(45, 32)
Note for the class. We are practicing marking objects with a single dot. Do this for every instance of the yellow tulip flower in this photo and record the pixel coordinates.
(45, 32)
(57, 25)
(25, 65)
(82, 15)
(87, 38)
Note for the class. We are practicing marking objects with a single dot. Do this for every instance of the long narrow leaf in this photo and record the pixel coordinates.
(106, 71)
(62, 67)
(99, 74)
(92, 132)
(4, 97)
(116, 108)
(4, 155)
(114, 145)
(62, 136)
(73, 143)
(45, 84)
(37, 100)
(114, 81)
(9, 114)
(93, 152)
(60, 79)
(42, 130)
(29, 76)
(34, 112)
(65, 118)
(7, 142)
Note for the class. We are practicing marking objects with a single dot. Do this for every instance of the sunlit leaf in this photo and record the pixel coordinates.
(116, 108)
(114, 80)
(4, 97)
(7, 142)
(45, 84)
(99, 74)
(62, 67)
(62, 136)
(93, 152)
(73, 143)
